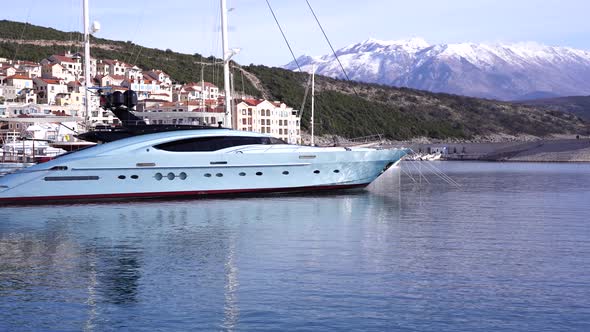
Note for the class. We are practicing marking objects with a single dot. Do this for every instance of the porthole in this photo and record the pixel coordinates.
(242, 174)
(317, 171)
(182, 176)
(259, 173)
(218, 175)
(207, 175)
(336, 171)
(134, 177)
(158, 176)
(122, 177)
(170, 176)
(285, 172)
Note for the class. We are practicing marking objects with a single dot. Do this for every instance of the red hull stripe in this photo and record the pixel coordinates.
(45, 199)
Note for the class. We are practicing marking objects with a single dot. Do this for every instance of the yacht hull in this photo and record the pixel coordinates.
(125, 170)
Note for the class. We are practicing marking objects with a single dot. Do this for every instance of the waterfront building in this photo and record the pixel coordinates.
(267, 117)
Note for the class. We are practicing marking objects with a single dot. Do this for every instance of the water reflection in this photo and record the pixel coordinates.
(174, 254)
(507, 243)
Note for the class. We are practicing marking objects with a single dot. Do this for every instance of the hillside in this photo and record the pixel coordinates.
(38, 43)
(403, 113)
(577, 105)
(343, 108)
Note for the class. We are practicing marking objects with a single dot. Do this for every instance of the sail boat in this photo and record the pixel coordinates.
(195, 162)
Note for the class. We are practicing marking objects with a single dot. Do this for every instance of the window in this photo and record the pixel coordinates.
(214, 143)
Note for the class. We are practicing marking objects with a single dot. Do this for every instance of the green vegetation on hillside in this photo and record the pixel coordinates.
(359, 109)
(343, 108)
(183, 68)
(578, 105)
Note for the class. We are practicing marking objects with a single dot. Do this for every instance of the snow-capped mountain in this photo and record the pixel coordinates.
(499, 71)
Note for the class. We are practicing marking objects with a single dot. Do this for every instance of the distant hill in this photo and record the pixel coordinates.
(578, 105)
(497, 71)
(343, 108)
(359, 109)
(38, 43)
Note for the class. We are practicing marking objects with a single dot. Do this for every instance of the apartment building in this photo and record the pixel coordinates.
(267, 117)
(47, 89)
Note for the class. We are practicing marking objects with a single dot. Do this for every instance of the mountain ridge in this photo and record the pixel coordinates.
(347, 109)
(495, 71)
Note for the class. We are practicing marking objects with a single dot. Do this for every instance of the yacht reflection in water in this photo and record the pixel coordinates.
(180, 260)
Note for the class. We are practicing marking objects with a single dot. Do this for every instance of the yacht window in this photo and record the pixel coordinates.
(215, 143)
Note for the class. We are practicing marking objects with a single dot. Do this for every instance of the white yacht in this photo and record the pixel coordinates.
(144, 161)
(192, 163)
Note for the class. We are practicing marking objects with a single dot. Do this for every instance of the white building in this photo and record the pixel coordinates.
(267, 117)
(47, 89)
(192, 113)
(32, 69)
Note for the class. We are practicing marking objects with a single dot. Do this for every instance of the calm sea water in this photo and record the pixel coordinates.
(508, 250)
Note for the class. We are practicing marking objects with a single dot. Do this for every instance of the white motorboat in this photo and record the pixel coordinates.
(192, 163)
(144, 161)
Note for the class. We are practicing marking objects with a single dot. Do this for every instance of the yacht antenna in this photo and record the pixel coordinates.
(312, 102)
(86, 64)
(226, 58)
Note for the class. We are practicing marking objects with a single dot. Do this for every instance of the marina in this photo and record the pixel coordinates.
(506, 250)
(390, 185)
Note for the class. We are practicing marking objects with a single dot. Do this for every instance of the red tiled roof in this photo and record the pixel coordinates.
(252, 102)
(116, 87)
(18, 77)
(28, 63)
(49, 80)
(63, 58)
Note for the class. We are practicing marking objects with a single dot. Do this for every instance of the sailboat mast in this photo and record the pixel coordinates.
(312, 102)
(86, 62)
(226, 58)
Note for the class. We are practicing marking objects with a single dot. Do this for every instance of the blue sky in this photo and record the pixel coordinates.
(192, 25)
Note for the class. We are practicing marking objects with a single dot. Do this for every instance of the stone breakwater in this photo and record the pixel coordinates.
(556, 150)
